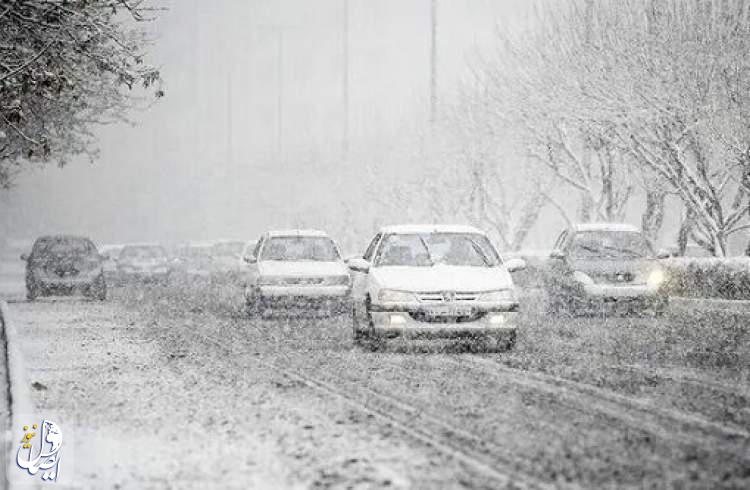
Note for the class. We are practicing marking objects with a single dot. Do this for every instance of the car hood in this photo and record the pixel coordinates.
(442, 278)
(300, 268)
(65, 263)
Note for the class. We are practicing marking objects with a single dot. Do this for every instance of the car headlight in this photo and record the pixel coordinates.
(655, 278)
(395, 296)
(582, 278)
(338, 280)
(271, 281)
(497, 296)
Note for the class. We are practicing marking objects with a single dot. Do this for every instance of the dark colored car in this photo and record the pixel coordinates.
(64, 264)
(604, 266)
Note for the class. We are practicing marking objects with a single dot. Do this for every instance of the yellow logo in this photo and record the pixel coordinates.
(46, 455)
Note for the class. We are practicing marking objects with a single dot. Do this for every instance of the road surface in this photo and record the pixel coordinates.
(172, 387)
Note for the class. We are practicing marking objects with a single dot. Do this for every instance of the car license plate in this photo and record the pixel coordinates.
(450, 311)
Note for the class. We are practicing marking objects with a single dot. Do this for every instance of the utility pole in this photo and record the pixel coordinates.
(345, 81)
(278, 30)
(433, 62)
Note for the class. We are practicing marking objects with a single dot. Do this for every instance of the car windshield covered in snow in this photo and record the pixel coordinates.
(64, 246)
(143, 252)
(609, 244)
(300, 248)
(427, 249)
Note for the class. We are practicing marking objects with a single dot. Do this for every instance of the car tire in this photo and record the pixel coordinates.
(32, 291)
(98, 289)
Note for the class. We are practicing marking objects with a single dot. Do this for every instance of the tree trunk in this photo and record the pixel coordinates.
(686, 227)
(653, 215)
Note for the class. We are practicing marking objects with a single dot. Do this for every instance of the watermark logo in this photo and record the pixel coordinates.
(42, 451)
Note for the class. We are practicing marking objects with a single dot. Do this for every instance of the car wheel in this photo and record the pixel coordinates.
(252, 309)
(32, 291)
(98, 289)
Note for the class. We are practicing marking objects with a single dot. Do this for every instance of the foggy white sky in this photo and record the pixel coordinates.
(202, 162)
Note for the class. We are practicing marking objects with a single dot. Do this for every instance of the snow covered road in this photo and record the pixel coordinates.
(172, 387)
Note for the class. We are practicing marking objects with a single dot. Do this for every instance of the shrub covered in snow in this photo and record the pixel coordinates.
(725, 278)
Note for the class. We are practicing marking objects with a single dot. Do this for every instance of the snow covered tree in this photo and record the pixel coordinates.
(65, 66)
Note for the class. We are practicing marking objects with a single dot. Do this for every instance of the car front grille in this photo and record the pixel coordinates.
(304, 281)
(618, 277)
(447, 297)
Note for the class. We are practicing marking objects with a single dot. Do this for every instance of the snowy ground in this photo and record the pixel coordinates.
(173, 387)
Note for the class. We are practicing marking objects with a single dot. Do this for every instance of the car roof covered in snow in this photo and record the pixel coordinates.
(605, 227)
(410, 229)
(311, 233)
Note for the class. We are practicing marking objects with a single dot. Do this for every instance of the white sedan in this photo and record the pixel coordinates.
(434, 281)
(296, 270)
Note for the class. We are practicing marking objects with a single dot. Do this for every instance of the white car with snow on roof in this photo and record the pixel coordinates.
(434, 281)
(296, 270)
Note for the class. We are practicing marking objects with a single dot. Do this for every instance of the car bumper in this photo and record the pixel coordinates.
(609, 291)
(415, 323)
(301, 297)
(598, 297)
(67, 283)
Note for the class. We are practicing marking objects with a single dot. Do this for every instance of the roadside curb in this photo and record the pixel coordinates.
(18, 390)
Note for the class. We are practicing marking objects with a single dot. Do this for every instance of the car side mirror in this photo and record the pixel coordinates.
(25, 257)
(358, 265)
(557, 254)
(663, 253)
(515, 265)
(250, 259)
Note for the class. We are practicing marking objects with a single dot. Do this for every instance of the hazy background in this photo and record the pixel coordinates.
(202, 163)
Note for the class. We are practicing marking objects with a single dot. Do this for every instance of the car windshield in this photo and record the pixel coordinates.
(142, 253)
(64, 246)
(428, 249)
(300, 248)
(609, 244)
(227, 249)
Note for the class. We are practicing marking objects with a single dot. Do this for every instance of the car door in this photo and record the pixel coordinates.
(360, 282)
(253, 271)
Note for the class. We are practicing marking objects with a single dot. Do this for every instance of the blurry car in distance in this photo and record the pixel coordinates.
(64, 264)
(142, 262)
(604, 266)
(110, 252)
(226, 258)
(191, 260)
(434, 282)
(296, 270)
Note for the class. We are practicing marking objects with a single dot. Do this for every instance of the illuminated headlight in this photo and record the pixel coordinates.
(498, 319)
(582, 278)
(271, 281)
(397, 320)
(497, 296)
(395, 296)
(655, 278)
(338, 280)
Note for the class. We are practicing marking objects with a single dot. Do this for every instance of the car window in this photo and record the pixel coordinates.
(609, 244)
(371, 248)
(300, 248)
(427, 249)
(63, 246)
